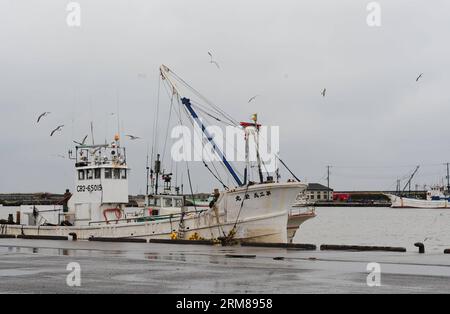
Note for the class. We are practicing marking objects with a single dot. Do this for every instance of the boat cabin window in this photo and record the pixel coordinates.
(108, 173)
(89, 174)
(157, 202)
(123, 173)
(167, 202)
(81, 175)
(116, 173)
(97, 173)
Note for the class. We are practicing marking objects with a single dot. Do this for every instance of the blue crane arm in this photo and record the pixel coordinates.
(187, 103)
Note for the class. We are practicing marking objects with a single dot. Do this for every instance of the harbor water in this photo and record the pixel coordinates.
(381, 226)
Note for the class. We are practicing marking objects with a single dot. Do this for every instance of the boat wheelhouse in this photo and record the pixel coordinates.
(101, 184)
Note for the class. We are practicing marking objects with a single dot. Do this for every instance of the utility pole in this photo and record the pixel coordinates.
(328, 182)
(448, 178)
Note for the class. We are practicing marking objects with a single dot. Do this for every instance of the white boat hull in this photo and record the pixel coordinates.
(404, 202)
(295, 220)
(269, 228)
(261, 217)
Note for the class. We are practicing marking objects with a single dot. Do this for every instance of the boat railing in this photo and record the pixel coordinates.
(308, 210)
(145, 218)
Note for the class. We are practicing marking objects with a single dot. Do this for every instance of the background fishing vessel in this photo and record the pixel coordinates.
(436, 197)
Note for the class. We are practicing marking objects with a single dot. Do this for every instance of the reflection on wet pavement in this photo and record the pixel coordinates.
(156, 268)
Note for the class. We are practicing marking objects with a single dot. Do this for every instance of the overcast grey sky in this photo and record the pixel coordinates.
(374, 124)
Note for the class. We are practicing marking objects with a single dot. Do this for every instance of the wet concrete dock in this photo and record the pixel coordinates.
(39, 266)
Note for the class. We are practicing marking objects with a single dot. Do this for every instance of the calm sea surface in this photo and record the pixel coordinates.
(378, 226)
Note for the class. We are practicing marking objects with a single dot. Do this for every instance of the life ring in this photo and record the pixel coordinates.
(152, 211)
(116, 211)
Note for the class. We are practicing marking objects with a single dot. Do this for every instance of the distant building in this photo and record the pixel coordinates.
(319, 193)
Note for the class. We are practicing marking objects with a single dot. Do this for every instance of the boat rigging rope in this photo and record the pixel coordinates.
(206, 143)
(195, 129)
(258, 154)
(190, 187)
(167, 129)
(287, 168)
(214, 107)
(227, 239)
(201, 109)
(155, 122)
(218, 179)
(215, 175)
(242, 205)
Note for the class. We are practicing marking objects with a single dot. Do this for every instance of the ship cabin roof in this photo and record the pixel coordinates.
(100, 156)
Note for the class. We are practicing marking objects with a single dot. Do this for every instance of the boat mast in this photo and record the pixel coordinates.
(147, 182)
(157, 172)
(246, 157)
(258, 156)
(187, 103)
(246, 127)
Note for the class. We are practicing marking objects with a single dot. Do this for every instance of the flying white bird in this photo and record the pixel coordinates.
(42, 115)
(418, 78)
(132, 137)
(58, 129)
(212, 60)
(82, 142)
(253, 98)
(324, 91)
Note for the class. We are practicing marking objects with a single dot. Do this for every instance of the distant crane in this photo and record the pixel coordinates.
(408, 184)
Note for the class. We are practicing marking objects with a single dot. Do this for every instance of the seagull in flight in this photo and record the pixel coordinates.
(324, 91)
(42, 115)
(212, 60)
(82, 142)
(418, 78)
(132, 137)
(58, 129)
(253, 98)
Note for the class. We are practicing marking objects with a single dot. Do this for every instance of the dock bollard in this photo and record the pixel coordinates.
(421, 247)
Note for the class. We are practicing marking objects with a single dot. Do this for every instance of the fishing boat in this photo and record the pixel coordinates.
(297, 213)
(436, 198)
(96, 209)
(249, 211)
